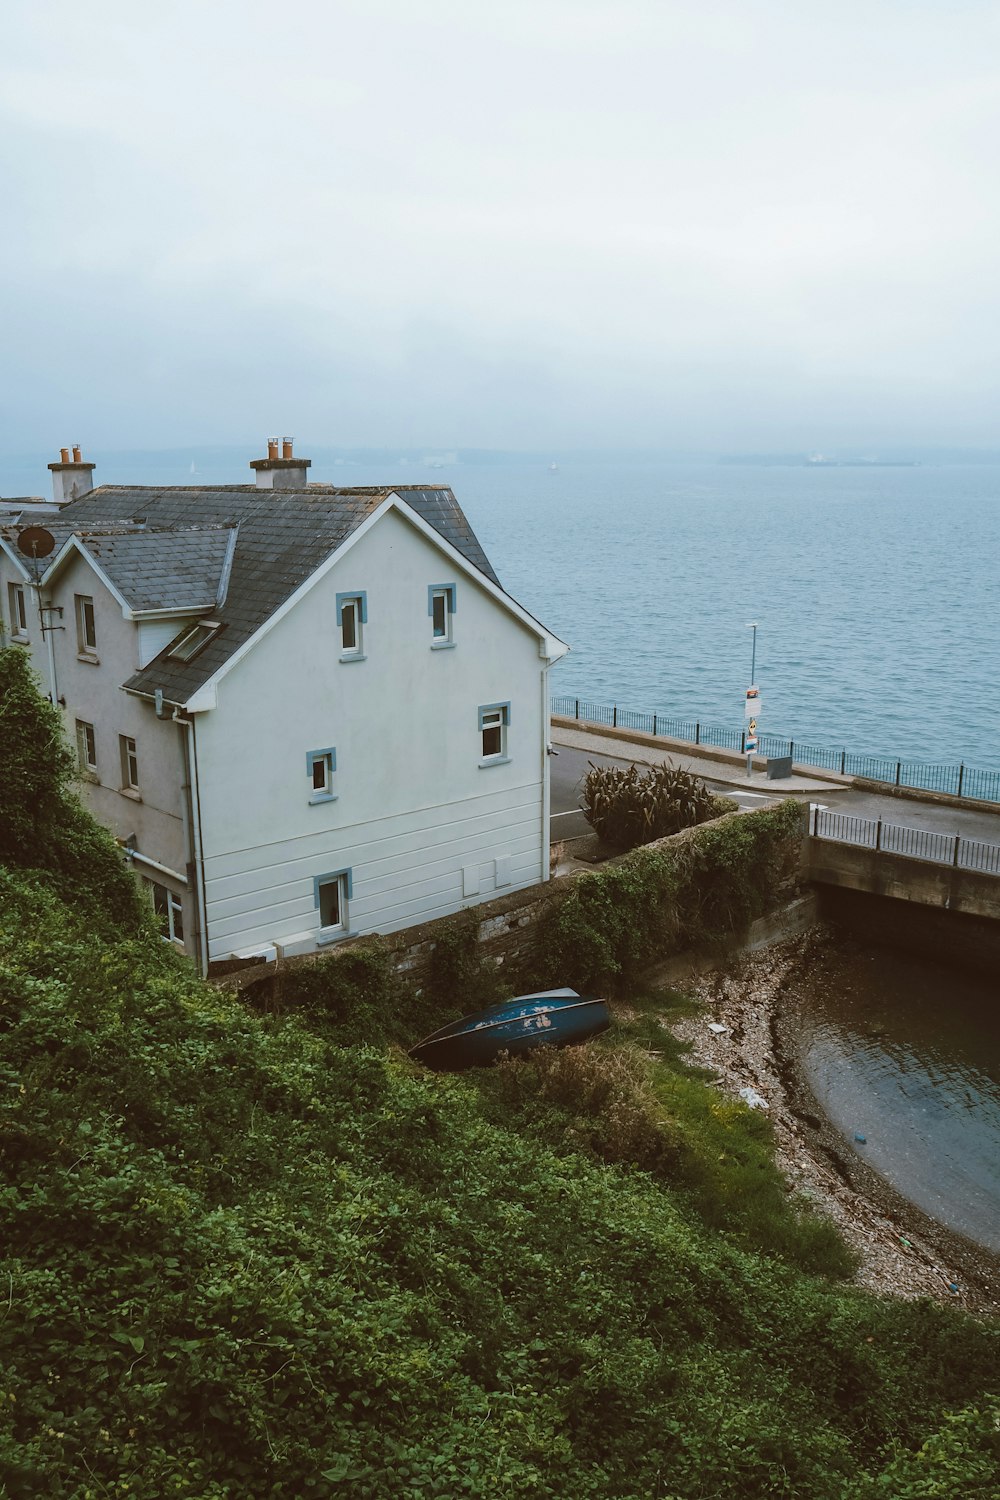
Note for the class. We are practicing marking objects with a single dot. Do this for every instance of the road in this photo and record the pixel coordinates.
(569, 768)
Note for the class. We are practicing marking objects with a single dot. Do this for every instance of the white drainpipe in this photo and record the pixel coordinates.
(50, 644)
(546, 791)
(194, 823)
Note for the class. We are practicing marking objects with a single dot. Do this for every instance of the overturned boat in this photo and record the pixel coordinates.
(555, 1018)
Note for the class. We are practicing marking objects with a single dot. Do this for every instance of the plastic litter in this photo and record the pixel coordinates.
(717, 1026)
(750, 1096)
(861, 1139)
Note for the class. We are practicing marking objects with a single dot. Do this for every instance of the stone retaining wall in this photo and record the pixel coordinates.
(506, 929)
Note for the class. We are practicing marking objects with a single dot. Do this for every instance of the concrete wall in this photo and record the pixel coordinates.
(947, 937)
(893, 875)
(424, 828)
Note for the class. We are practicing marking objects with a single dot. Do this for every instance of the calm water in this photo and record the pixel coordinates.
(907, 1054)
(877, 594)
(877, 591)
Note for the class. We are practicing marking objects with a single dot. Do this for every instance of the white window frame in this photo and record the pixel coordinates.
(130, 763)
(342, 883)
(493, 717)
(171, 907)
(86, 626)
(194, 640)
(18, 609)
(321, 766)
(445, 595)
(86, 746)
(356, 605)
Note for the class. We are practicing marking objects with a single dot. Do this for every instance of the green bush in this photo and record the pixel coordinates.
(43, 825)
(706, 888)
(629, 807)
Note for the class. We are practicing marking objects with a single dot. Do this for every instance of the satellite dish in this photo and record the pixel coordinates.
(35, 541)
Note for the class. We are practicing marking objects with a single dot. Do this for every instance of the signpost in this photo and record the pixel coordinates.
(753, 704)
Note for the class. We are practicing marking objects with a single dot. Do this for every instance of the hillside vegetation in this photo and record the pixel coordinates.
(244, 1258)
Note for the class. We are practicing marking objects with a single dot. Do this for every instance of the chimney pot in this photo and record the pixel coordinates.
(64, 455)
(76, 453)
(272, 447)
(286, 447)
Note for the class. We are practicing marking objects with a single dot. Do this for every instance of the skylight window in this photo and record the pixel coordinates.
(194, 641)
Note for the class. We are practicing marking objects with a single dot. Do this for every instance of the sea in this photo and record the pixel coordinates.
(875, 589)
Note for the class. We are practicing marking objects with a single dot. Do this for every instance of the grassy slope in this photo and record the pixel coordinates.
(243, 1260)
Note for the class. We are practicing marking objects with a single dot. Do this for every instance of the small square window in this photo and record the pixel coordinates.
(86, 628)
(332, 894)
(493, 721)
(130, 763)
(18, 610)
(169, 909)
(320, 766)
(86, 746)
(441, 608)
(352, 617)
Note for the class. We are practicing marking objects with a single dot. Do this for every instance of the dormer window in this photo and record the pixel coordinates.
(194, 640)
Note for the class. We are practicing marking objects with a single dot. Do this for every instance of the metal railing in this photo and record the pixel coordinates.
(913, 843)
(957, 781)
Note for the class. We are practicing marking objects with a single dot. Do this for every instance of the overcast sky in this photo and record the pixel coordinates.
(535, 223)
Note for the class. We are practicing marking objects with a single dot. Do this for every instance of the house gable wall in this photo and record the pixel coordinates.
(420, 823)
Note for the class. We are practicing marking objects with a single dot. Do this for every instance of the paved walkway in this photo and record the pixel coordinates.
(729, 772)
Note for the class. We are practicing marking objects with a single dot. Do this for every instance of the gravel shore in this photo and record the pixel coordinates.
(902, 1252)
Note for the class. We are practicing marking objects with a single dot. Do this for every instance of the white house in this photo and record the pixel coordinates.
(310, 712)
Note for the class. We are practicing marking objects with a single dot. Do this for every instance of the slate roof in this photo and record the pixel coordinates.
(11, 526)
(160, 570)
(284, 535)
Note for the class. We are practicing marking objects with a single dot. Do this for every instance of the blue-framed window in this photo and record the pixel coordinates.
(442, 601)
(494, 721)
(332, 893)
(320, 767)
(352, 617)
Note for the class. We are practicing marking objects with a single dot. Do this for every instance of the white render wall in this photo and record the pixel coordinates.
(417, 820)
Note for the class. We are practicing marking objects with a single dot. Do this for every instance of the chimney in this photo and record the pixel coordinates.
(284, 473)
(71, 477)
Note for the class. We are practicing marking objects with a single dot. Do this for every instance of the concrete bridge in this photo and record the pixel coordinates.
(930, 868)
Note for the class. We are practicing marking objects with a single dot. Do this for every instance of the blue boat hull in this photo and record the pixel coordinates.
(555, 1018)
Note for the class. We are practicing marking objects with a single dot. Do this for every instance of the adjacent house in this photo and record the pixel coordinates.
(308, 712)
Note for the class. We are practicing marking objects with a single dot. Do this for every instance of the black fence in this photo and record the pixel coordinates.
(913, 843)
(958, 781)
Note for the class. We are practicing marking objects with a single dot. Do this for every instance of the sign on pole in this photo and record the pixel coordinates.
(753, 703)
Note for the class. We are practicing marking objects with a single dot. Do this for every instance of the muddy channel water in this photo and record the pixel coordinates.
(905, 1053)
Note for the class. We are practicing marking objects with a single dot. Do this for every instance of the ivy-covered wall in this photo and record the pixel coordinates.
(592, 929)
